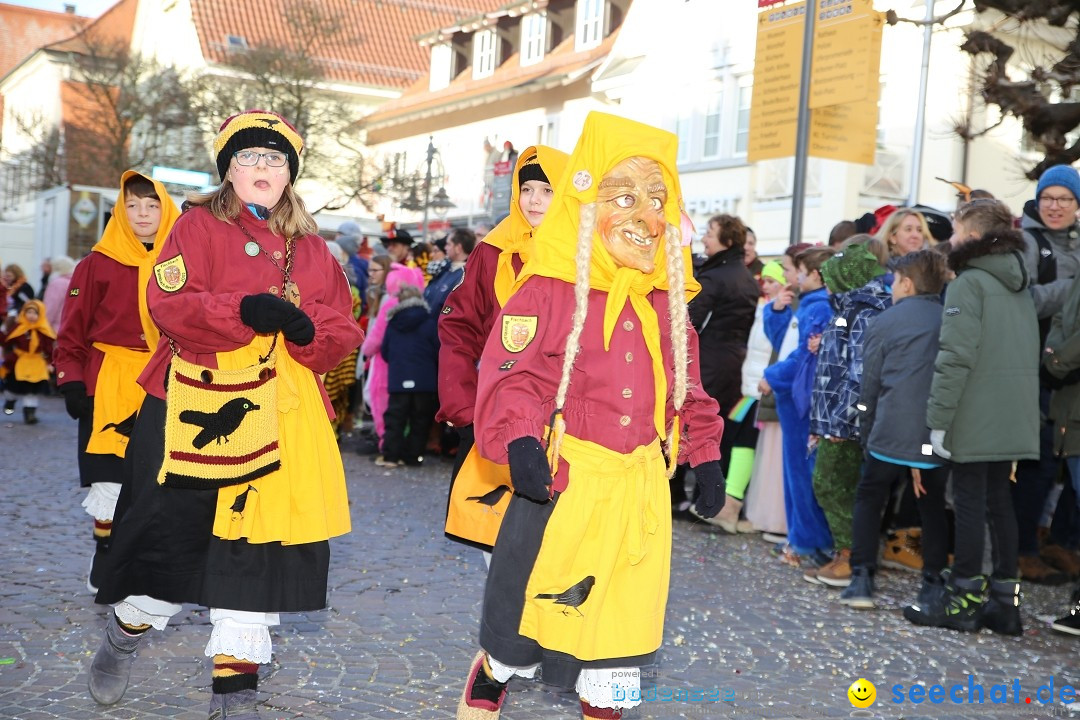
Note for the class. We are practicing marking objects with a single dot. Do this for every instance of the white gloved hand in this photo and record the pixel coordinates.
(937, 441)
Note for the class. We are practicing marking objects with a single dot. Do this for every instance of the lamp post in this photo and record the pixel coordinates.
(427, 181)
(441, 202)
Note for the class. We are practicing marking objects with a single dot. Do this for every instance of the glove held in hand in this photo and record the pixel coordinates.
(265, 313)
(712, 489)
(529, 471)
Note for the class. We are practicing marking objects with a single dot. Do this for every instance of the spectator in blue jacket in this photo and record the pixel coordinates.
(791, 380)
(410, 348)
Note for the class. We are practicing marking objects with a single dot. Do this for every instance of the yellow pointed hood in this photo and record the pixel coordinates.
(514, 234)
(605, 141)
(120, 243)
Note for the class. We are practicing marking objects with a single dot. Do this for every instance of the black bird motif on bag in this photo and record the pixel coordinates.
(125, 426)
(491, 498)
(573, 597)
(218, 426)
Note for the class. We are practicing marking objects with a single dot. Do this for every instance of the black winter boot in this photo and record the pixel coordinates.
(111, 668)
(929, 607)
(964, 603)
(1002, 610)
(239, 705)
(30, 415)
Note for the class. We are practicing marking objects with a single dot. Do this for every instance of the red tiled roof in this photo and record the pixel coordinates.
(113, 26)
(24, 30)
(376, 45)
(561, 63)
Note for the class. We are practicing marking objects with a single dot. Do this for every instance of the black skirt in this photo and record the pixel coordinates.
(22, 387)
(163, 546)
(94, 467)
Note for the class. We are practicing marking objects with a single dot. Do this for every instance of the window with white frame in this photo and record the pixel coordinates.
(742, 120)
(711, 147)
(484, 47)
(590, 23)
(533, 38)
(441, 66)
(682, 130)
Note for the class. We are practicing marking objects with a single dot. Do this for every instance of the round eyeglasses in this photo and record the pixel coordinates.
(247, 158)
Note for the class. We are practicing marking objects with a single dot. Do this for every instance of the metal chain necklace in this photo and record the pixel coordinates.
(289, 291)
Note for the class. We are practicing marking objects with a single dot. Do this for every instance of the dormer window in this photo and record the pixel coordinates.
(485, 45)
(590, 23)
(533, 38)
(442, 57)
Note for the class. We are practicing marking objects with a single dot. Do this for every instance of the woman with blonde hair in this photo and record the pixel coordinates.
(243, 280)
(905, 231)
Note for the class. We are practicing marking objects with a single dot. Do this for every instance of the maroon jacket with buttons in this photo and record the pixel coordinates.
(467, 316)
(102, 306)
(611, 396)
(203, 315)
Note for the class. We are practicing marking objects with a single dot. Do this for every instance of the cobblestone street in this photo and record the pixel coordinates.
(401, 624)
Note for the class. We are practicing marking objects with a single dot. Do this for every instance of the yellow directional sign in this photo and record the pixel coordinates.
(774, 104)
(843, 50)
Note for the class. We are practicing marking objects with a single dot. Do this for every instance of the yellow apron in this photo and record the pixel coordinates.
(304, 501)
(611, 524)
(30, 367)
(477, 504)
(117, 399)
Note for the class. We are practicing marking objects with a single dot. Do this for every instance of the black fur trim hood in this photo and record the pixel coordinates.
(995, 242)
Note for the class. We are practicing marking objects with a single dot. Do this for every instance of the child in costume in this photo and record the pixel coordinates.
(594, 356)
(859, 294)
(28, 349)
(106, 341)
(243, 276)
(478, 488)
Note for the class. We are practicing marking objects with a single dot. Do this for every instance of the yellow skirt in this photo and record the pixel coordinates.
(611, 525)
(305, 500)
(478, 499)
(117, 399)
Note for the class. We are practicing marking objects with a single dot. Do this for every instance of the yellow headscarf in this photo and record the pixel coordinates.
(606, 141)
(119, 243)
(514, 234)
(23, 326)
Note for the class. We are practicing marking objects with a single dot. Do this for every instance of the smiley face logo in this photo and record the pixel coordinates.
(862, 693)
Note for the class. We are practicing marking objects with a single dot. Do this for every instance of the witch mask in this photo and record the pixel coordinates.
(630, 213)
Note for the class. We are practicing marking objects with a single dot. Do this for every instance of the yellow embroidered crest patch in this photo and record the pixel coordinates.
(518, 331)
(171, 274)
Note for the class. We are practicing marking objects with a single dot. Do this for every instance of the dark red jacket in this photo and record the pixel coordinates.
(203, 316)
(102, 306)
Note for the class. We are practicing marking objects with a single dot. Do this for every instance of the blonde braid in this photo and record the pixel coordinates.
(679, 319)
(586, 226)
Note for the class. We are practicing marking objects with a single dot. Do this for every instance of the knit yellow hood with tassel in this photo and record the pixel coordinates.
(120, 243)
(514, 234)
(605, 141)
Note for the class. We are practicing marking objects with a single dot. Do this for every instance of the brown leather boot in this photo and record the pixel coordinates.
(1063, 559)
(1033, 569)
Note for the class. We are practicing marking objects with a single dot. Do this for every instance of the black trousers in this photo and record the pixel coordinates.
(1033, 481)
(415, 411)
(872, 494)
(981, 497)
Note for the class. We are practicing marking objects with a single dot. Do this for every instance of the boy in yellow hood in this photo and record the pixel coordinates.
(107, 339)
(582, 390)
(478, 488)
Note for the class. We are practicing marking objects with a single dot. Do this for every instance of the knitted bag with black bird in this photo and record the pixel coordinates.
(221, 426)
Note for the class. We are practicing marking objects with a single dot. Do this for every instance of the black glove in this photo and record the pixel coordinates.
(266, 313)
(529, 470)
(76, 401)
(298, 329)
(712, 489)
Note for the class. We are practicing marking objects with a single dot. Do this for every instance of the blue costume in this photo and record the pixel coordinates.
(791, 380)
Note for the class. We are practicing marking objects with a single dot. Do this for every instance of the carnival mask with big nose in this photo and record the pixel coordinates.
(630, 213)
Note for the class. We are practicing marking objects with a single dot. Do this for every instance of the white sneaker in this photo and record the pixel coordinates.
(89, 586)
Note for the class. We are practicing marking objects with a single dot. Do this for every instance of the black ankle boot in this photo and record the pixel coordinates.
(9, 407)
(964, 603)
(1002, 610)
(111, 667)
(929, 607)
(29, 416)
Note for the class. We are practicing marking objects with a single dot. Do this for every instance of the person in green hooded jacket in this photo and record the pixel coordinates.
(983, 412)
